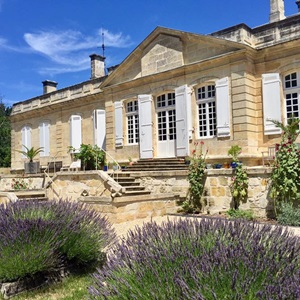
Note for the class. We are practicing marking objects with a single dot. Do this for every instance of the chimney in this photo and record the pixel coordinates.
(97, 66)
(49, 86)
(276, 11)
(298, 4)
(112, 68)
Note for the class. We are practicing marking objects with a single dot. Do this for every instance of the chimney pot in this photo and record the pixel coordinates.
(97, 66)
(49, 86)
(276, 10)
(298, 4)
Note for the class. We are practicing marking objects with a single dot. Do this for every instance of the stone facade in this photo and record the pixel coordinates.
(138, 122)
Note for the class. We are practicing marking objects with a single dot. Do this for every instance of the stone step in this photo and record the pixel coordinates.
(135, 193)
(134, 188)
(127, 183)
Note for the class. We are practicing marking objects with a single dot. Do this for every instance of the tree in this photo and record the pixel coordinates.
(5, 135)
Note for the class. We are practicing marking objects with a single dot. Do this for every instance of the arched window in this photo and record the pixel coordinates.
(132, 118)
(291, 93)
(207, 117)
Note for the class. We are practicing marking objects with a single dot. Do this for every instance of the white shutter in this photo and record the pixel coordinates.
(145, 126)
(183, 120)
(26, 137)
(99, 128)
(45, 138)
(271, 102)
(223, 107)
(119, 138)
(75, 124)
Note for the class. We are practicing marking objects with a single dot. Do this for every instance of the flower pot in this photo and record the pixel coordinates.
(105, 168)
(233, 165)
(32, 167)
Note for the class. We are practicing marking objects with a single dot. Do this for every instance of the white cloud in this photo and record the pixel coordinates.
(70, 49)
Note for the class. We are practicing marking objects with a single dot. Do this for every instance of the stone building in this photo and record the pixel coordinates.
(176, 88)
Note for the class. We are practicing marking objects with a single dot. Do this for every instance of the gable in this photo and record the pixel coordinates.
(162, 54)
(167, 49)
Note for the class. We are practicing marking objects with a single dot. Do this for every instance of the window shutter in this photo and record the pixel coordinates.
(271, 102)
(183, 120)
(45, 138)
(76, 132)
(26, 137)
(119, 138)
(223, 106)
(99, 128)
(145, 126)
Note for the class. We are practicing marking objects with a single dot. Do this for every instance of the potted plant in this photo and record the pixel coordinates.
(105, 166)
(234, 151)
(31, 167)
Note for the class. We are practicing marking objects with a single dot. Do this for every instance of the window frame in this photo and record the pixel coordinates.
(209, 96)
(291, 87)
(132, 122)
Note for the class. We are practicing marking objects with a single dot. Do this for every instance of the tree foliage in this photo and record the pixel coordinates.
(5, 135)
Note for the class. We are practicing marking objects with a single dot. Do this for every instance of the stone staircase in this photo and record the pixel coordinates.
(128, 182)
(158, 165)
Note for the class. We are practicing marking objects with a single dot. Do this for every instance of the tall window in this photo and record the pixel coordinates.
(291, 92)
(44, 128)
(206, 101)
(26, 137)
(166, 117)
(132, 122)
(75, 132)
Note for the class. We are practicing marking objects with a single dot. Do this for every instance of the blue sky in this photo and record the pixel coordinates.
(52, 40)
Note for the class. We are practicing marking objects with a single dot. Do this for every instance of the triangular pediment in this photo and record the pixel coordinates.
(167, 49)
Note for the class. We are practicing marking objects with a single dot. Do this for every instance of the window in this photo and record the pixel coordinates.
(291, 93)
(132, 122)
(45, 138)
(75, 132)
(166, 117)
(26, 137)
(206, 101)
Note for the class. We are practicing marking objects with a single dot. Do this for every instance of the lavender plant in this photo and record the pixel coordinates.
(208, 259)
(39, 236)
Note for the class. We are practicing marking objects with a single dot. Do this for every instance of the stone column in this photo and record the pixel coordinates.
(97, 66)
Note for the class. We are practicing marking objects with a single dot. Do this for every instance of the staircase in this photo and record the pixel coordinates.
(158, 165)
(132, 188)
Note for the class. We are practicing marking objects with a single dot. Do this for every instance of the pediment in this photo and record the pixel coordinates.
(167, 49)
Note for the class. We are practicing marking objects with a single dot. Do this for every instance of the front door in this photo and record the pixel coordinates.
(166, 125)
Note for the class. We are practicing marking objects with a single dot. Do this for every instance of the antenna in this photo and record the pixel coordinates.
(103, 47)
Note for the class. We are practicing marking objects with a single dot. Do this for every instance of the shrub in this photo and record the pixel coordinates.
(289, 215)
(285, 177)
(92, 157)
(211, 259)
(40, 236)
(196, 178)
(240, 214)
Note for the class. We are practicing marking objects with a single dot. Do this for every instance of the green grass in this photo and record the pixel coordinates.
(74, 287)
